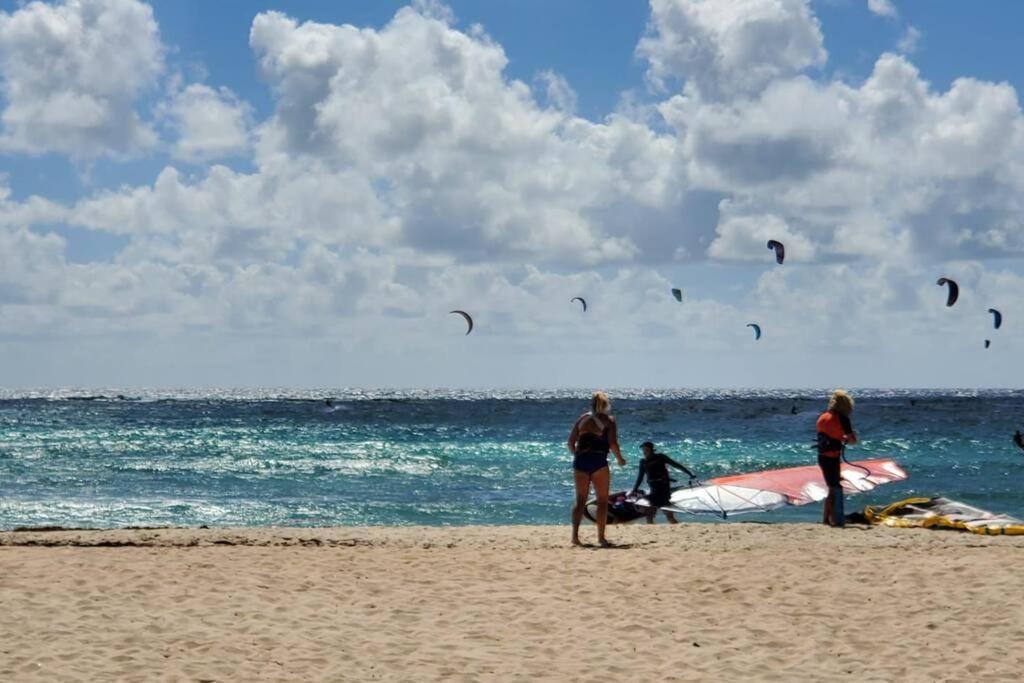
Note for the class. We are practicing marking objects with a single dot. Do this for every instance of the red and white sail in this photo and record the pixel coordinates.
(762, 491)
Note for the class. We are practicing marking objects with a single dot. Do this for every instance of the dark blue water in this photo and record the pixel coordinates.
(453, 457)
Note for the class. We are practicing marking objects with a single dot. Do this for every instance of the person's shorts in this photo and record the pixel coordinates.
(829, 465)
(659, 496)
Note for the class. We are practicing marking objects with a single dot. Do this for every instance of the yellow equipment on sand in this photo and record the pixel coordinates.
(942, 513)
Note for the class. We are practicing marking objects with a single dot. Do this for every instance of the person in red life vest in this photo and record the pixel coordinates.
(834, 433)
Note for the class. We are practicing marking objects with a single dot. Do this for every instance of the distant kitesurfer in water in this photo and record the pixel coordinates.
(834, 432)
(593, 435)
(654, 466)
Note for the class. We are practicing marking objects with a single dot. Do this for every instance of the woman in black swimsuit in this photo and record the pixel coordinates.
(593, 435)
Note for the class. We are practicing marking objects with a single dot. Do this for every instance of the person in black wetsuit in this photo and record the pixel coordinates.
(593, 436)
(654, 467)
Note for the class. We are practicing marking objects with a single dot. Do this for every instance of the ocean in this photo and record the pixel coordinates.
(253, 458)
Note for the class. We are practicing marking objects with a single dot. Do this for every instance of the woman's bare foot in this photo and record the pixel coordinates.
(576, 541)
(605, 543)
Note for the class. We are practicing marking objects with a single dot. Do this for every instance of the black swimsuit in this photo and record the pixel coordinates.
(592, 450)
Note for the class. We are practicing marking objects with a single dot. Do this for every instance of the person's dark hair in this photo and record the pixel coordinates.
(645, 444)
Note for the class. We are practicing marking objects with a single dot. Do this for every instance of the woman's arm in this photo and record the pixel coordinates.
(573, 437)
(613, 442)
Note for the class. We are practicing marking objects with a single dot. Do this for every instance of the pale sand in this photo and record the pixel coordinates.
(724, 602)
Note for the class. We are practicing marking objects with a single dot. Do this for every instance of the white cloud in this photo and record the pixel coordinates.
(72, 74)
(412, 137)
(744, 237)
(33, 211)
(730, 47)
(210, 124)
(558, 91)
(910, 41)
(403, 174)
(228, 216)
(890, 169)
(470, 162)
(883, 8)
(31, 267)
(435, 9)
(885, 309)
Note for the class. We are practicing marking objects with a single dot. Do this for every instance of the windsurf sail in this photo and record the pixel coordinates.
(764, 491)
(943, 513)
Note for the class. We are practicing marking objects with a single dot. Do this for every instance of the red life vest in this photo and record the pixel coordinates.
(832, 433)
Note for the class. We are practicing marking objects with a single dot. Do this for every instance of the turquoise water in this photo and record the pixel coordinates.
(440, 458)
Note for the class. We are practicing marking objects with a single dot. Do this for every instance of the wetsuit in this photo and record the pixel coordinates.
(833, 429)
(592, 449)
(655, 469)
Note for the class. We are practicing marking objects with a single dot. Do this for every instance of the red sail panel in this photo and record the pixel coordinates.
(802, 485)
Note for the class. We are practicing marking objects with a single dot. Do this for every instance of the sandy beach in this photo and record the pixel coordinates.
(694, 602)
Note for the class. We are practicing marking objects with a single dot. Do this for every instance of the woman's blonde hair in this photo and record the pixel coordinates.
(840, 402)
(600, 403)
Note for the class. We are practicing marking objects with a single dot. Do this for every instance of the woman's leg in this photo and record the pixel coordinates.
(602, 480)
(671, 517)
(582, 482)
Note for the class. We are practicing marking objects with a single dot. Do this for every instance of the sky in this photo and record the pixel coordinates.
(296, 194)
